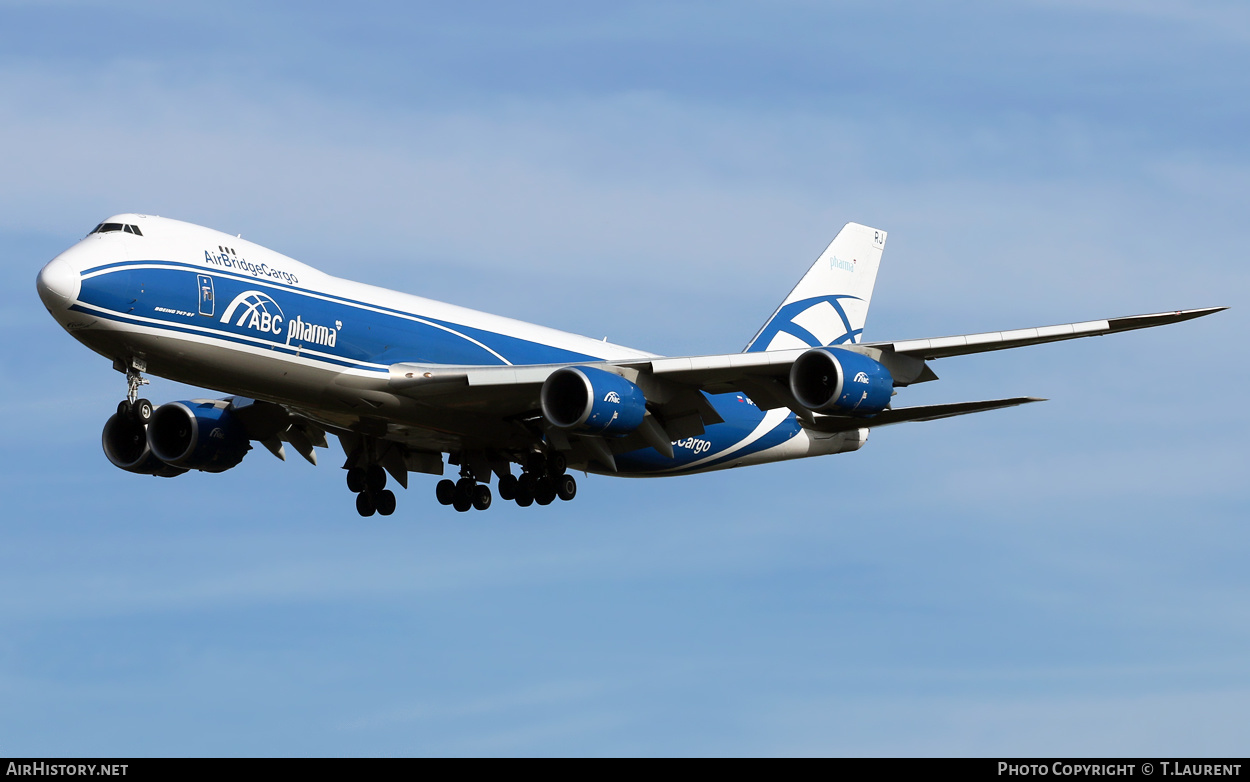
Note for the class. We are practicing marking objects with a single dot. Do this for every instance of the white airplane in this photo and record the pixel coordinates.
(403, 381)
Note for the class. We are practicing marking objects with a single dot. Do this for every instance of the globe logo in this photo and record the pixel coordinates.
(255, 310)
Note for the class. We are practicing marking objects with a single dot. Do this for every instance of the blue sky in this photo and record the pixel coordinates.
(1066, 578)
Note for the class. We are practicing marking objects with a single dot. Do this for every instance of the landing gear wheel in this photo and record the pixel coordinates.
(545, 491)
(525, 490)
(375, 478)
(566, 487)
(142, 411)
(385, 502)
(481, 497)
(356, 480)
(123, 409)
(507, 487)
(556, 464)
(445, 491)
(464, 494)
(364, 504)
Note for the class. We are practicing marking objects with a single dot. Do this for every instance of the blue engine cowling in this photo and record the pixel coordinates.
(831, 380)
(125, 442)
(592, 401)
(197, 435)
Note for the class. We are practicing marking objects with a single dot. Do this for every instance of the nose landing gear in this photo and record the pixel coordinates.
(132, 407)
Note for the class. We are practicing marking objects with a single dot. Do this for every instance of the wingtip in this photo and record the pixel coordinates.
(1201, 312)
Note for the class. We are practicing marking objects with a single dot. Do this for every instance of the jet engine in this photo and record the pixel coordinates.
(197, 435)
(125, 443)
(592, 401)
(841, 382)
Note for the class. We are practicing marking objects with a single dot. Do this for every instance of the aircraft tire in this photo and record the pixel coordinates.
(545, 491)
(481, 497)
(123, 409)
(556, 464)
(464, 494)
(525, 490)
(445, 491)
(356, 480)
(566, 487)
(364, 504)
(142, 411)
(385, 502)
(375, 478)
(507, 487)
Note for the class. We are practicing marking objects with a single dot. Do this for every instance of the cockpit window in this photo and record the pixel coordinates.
(104, 228)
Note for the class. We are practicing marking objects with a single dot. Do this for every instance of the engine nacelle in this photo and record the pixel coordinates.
(125, 442)
(197, 435)
(831, 380)
(592, 401)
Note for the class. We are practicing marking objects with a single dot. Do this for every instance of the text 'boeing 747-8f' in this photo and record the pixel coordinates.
(407, 384)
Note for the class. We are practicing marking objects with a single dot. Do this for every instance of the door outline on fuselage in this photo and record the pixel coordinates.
(206, 294)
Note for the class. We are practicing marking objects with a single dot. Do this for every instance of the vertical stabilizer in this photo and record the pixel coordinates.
(830, 304)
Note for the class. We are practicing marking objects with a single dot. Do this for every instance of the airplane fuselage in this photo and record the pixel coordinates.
(205, 308)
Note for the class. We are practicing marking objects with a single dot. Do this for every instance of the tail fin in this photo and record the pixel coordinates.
(830, 304)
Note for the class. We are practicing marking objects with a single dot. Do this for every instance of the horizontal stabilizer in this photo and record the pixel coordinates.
(839, 423)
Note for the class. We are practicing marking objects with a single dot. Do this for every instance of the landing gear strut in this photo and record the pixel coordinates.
(132, 407)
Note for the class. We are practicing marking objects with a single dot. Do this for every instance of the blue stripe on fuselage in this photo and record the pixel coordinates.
(288, 318)
(708, 450)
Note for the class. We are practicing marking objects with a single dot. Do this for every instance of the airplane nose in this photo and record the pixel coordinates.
(58, 284)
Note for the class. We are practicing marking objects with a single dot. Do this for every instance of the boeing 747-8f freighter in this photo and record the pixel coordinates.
(407, 384)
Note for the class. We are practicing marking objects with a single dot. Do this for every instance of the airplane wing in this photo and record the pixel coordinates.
(904, 358)
(943, 347)
(846, 423)
(672, 385)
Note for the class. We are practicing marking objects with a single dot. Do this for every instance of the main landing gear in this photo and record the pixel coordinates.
(465, 493)
(542, 480)
(372, 496)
